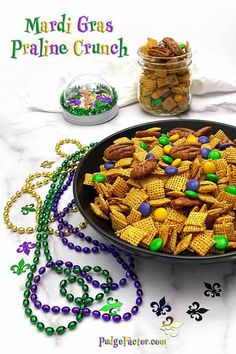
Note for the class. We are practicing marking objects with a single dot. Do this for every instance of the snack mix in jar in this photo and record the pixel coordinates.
(165, 77)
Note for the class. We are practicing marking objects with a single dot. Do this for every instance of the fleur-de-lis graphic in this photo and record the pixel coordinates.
(20, 268)
(47, 164)
(27, 208)
(25, 247)
(170, 326)
(113, 306)
(161, 307)
(195, 311)
(212, 290)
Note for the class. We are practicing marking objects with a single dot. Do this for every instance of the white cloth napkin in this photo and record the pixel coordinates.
(210, 87)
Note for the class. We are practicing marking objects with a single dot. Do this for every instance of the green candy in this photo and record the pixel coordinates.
(156, 102)
(156, 244)
(163, 140)
(191, 194)
(167, 159)
(99, 177)
(221, 242)
(212, 177)
(214, 155)
(181, 45)
(230, 190)
(143, 146)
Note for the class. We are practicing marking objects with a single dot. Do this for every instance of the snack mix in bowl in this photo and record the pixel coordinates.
(173, 193)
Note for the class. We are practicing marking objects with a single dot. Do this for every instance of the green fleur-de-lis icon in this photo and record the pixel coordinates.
(20, 268)
(113, 306)
(28, 208)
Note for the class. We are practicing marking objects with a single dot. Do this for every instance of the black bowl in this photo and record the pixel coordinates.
(84, 195)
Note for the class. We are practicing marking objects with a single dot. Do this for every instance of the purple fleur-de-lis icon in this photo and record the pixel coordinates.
(161, 307)
(25, 247)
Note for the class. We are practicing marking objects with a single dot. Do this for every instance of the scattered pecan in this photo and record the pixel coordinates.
(116, 152)
(172, 45)
(182, 132)
(185, 151)
(206, 131)
(160, 51)
(183, 202)
(147, 133)
(144, 169)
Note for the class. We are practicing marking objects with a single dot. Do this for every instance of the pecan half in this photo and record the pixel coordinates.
(116, 152)
(147, 133)
(182, 132)
(183, 202)
(206, 131)
(160, 51)
(144, 169)
(172, 45)
(185, 151)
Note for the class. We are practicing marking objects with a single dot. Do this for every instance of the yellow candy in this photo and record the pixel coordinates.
(191, 139)
(166, 149)
(160, 214)
(209, 167)
(176, 162)
(174, 137)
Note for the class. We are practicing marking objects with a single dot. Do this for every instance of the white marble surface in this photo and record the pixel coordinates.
(28, 137)
(27, 140)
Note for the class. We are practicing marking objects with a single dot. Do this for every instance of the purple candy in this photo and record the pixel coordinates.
(203, 139)
(109, 165)
(171, 170)
(193, 185)
(205, 152)
(149, 156)
(223, 146)
(144, 209)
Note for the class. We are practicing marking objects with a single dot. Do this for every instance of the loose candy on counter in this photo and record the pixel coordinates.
(187, 207)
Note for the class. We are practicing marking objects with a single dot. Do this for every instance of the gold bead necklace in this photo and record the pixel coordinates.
(29, 187)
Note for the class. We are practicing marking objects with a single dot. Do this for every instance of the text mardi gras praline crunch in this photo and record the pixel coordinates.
(43, 47)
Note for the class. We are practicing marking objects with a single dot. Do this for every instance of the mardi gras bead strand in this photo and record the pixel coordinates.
(41, 237)
(29, 188)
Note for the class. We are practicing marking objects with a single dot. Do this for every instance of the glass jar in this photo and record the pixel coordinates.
(164, 83)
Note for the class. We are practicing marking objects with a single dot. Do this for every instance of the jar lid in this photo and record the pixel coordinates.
(89, 100)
